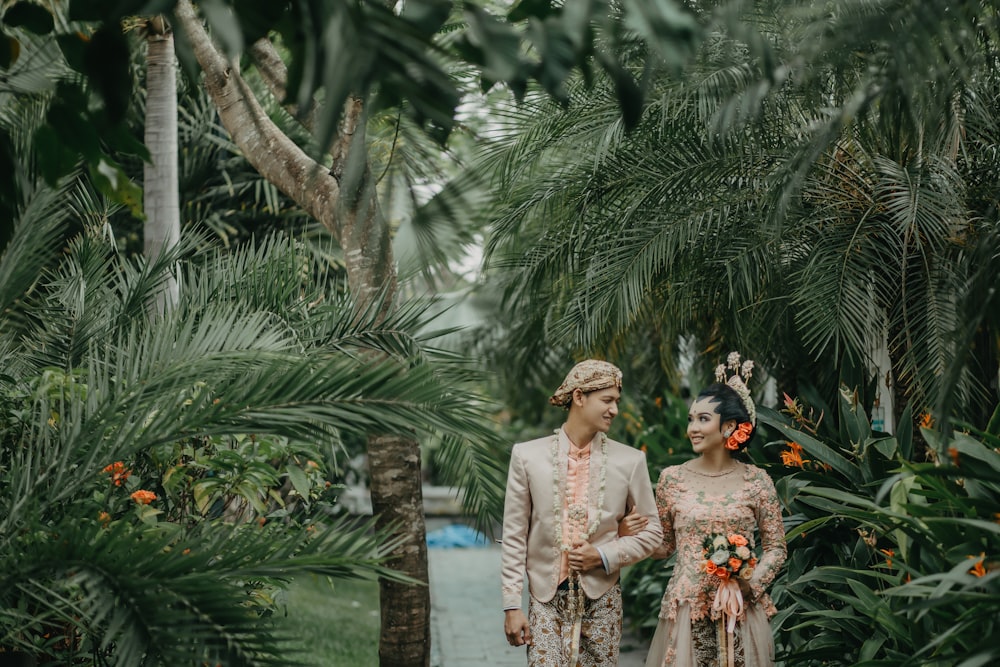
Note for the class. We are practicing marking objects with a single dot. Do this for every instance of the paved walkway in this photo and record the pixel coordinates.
(466, 621)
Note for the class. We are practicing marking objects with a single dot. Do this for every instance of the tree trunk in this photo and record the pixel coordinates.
(394, 463)
(342, 198)
(162, 229)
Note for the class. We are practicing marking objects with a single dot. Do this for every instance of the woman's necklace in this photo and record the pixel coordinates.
(719, 473)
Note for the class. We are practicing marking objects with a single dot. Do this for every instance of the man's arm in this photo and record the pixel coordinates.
(633, 548)
(514, 544)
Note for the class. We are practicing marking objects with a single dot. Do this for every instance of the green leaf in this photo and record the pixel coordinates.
(106, 63)
(115, 184)
(525, 9)
(299, 479)
(55, 160)
(29, 16)
(816, 449)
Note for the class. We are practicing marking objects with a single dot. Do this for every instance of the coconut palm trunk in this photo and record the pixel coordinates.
(162, 229)
(343, 199)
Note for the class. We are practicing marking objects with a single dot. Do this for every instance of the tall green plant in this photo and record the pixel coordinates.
(890, 561)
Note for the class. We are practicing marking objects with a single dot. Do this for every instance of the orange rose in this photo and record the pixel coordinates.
(738, 540)
(710, 567)
(722, 573)
(735, 564)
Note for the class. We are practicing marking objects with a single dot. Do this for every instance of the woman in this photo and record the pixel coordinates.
(715, 512)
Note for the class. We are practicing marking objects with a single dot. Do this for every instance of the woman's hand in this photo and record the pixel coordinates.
(631, 524)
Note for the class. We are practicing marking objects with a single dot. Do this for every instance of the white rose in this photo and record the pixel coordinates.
(720, 558)
(743, 553)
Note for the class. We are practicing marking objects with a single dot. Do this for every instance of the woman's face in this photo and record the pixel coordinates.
(704, 428)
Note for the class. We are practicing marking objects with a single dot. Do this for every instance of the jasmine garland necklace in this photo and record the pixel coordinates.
(577, 514)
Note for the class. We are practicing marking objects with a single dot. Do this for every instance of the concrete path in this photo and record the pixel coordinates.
(466, 621)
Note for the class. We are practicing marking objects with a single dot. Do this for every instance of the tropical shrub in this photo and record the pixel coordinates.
(163, 476)
(891, 561)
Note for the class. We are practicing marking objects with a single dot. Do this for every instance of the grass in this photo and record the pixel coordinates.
(338, 621)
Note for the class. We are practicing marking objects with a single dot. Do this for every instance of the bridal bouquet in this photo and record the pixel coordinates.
(728, 556)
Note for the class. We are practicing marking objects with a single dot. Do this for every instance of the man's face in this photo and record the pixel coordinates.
(598, 408)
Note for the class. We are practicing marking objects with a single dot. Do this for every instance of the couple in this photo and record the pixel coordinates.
(579, 507)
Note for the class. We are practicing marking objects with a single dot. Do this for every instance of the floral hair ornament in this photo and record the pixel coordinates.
(739, 436)
(735, 375)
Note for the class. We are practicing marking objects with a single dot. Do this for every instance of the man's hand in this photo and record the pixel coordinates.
(631, 523)
(515, 626)
(583, 557)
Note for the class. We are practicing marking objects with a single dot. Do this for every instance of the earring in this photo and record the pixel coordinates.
(728, 433)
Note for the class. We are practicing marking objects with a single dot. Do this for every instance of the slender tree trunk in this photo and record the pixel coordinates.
(162, 229)
(343, 198)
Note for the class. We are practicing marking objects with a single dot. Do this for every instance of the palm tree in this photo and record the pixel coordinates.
(92, 378)
(799, 193)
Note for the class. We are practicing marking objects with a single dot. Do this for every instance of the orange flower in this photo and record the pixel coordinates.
(794, 446)
(643, 448)
(262, 520)
(104, 518)
(186, 552)
(953, 453)
(710, 567)
(978, 569)
(738, 540)
(741, 435)
(658, 401)
(735, 564)
(889, 553)
(722, 573)
(143, 497)
(926, 420)
(119, 473)
(792, 458)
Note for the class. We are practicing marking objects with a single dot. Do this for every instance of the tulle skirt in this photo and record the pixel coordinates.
(678, 643)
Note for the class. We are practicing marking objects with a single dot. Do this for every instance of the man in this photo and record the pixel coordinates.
(566, 495)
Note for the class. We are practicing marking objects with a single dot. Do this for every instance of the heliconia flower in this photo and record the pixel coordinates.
(926, 420)
(792, 458)
(143, 497)
(104, 518)
(953, 453)
(979, 569)
(889, 553)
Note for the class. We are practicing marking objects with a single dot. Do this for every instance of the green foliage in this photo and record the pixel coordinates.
(890, 561)
(163, 477)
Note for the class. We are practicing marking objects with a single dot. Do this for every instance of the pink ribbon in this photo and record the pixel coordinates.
(729, 601)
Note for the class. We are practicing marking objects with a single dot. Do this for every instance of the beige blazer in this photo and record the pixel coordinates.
(529, 518)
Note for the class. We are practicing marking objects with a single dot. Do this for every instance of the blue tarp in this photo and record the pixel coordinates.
(455, 535)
